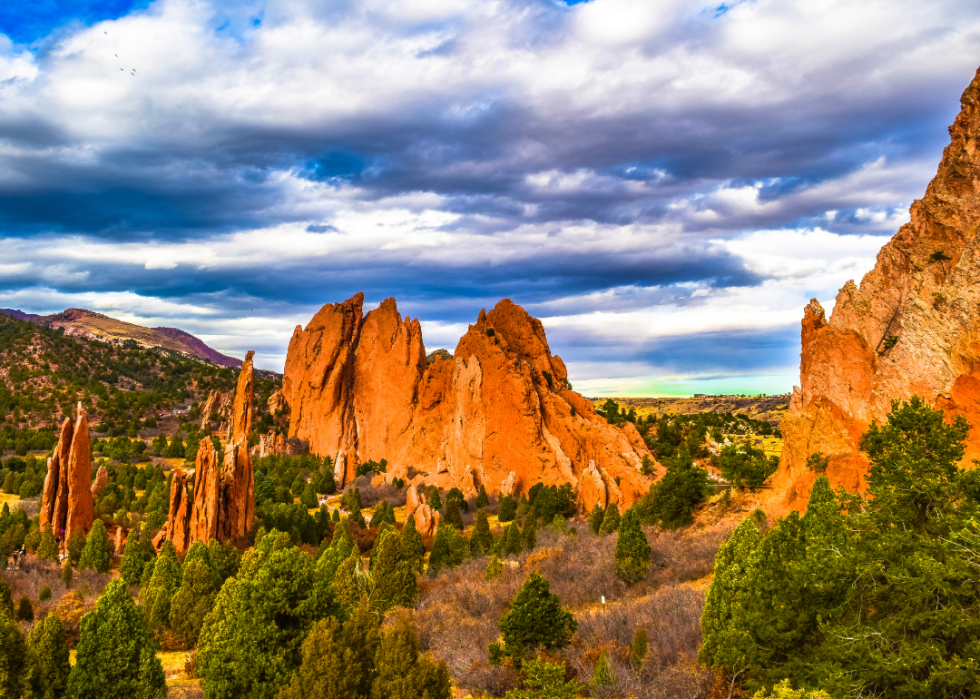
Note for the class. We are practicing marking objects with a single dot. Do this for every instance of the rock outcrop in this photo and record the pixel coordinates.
(911, 328)
(67, 506)
(498, 413)
(100, 482)
(426, 520)
(222, 503)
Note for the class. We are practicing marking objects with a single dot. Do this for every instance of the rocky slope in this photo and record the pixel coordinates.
(498, 413)
(79, 322)
(911, 328)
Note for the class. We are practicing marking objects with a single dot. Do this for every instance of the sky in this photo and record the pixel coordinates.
(665, 184)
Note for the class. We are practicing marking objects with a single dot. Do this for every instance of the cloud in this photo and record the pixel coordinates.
(630, 172)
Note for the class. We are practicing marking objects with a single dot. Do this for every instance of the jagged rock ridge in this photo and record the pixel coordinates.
(911, 328)
(499, 411)
(222, 503)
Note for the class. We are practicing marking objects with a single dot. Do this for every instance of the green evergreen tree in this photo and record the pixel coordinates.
(135, 557)
(435, 502)
(393, 575)
(544, 680)
(610, 520)
(337, 660)
(511, 541)
(47, 550)
(529, 536)
(309, 498)
(155, 597)
(559, 524)
(18, 667)
(457, 495)
(412, 547)
(76, 545)
(535, 620)
(603, 676)
(97, 553)
(482, 499)
(115, 659)
(632, 549)
(670, 501)
(508, 509)
(481, 540)
(49, 645)
(6, 599)
(66, 574)
(193, 600)
(342, 541)
(348, 581)
(453, 516)
(595, 519)
(440, 554)
(251, 641)
(402, 672)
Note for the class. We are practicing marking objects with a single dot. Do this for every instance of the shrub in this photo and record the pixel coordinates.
(610, 520)
(632, 549)
(25, 610)
(45, 594)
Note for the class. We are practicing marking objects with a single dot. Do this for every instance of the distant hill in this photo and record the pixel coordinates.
(78, 322)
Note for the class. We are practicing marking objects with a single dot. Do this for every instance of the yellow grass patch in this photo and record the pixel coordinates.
(10, 499)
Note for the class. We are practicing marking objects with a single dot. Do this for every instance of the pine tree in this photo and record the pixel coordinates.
(97, 552)
(512, 542)
(610, 520)
(534, 621)
(115, 659)
(481, 540)
(393, 575)
(544, 680)
(603, 676)
(155, 598)
(18, 668)
(402, 672)
(6, 599)
(482, 499)
(508, 509)
(435, 502)
(48, 548)
(50, 648)
(135, 557)
(457, 495)
(529, 536)
(342, 541)
(559, 524)
(412, 547)
(632, 549)
(76, 545)
(337, 660)
(349, 581)
(595, 519)
(453, 516)
(309, 498)
(440, 555)
(192, 601)
(66, 574)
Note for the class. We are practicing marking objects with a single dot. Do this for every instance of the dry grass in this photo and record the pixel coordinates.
(459, 610)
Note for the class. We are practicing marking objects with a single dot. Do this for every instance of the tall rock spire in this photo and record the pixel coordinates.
(223, 505)
(67, 506)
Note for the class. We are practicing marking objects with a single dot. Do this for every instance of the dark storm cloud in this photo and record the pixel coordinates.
(271, 157)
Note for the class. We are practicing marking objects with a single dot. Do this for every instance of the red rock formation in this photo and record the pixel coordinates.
(66, 502)
(912, 328)
(426, 520)
(499, 413)
(223, 504)
(100, 482)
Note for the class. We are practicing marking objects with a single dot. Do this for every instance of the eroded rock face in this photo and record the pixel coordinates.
(911, 328)
(498, 413)
(100, 482)
(67, 506)
(223, 502)
(426, 520)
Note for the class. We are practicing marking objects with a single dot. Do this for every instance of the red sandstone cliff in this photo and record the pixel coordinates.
(223, 502)
(66, 502)
(499, 412)
(911, 328)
